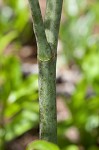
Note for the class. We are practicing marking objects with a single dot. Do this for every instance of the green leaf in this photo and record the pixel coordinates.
(31, 82)
(72, 147)
(12, 109)
(21, 122)
(90, 66)
(42, 145)
(5, 40)
(12, 71)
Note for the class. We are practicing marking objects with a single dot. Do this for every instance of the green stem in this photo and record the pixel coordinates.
(47, 38)
(52, 22)
(47, 100)
(44, 50)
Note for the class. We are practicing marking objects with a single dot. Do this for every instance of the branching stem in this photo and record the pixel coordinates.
(47, 37)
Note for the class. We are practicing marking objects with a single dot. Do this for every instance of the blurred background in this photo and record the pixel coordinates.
(77, 76)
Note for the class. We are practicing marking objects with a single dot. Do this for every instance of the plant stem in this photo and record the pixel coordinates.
(47, 100)
(47, 38)
(44, 50)
(52, 22)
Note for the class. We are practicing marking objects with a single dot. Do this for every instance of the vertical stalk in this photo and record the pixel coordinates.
(47, 37)
(52, 22)
(47, 100)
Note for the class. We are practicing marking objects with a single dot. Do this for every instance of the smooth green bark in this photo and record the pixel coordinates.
(47, 38)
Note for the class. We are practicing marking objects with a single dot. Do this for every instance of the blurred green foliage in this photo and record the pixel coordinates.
(79, 33)
(13, 12)
(18, 96)
(42, 145)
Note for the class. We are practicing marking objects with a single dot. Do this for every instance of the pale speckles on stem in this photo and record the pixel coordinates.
(50, 36)
(52, 20)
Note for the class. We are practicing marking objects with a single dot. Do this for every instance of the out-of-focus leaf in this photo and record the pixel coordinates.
(12, 71)
(42, 145)
(93, 104)
(31, 83)
(14, 108)
(93, 148)
(21, 20)
(6, 40)
(20, 123)
(90, 66)
(11, 110)
(74, 7)
(32, 106)
(92, 122)
(95, 10)
(71, 147)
